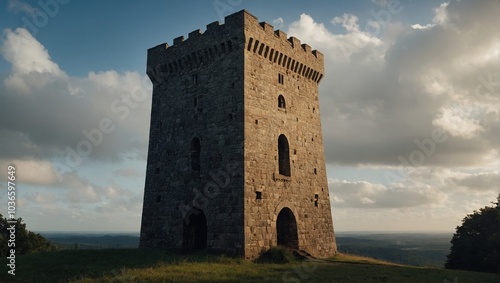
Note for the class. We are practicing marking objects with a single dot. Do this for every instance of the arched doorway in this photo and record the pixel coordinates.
(194, 236)
(286, 228)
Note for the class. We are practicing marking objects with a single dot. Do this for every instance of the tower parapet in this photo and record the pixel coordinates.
(240, 29)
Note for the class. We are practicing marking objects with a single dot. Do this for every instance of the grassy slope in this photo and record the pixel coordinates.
(156, 266)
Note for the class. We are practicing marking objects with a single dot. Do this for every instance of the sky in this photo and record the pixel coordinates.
(409, 106)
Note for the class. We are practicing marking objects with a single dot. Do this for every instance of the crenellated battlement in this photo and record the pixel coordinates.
(235, 21)
(239, 29)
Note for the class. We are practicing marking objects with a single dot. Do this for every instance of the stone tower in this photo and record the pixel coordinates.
(236, 159)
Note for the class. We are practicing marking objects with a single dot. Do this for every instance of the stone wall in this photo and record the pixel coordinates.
(197, 93)
(222, 86)
(305, 192)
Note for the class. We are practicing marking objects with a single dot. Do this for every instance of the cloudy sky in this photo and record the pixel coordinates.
(409, 105)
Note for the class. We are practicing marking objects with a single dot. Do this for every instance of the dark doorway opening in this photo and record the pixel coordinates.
(194, 230)
(286, 227)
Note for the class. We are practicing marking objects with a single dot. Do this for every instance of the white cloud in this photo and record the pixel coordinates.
(348, 21)
(278, 23)
(479, 182)
(367, 195)
(26, 54)
(33, 172)
(440, 18)
(426, 198)
(338, 46)
(441, 14)
(385, 91)
(419, 26)
(459, 122)
(56, 112)
(68, 110)
(32, 67)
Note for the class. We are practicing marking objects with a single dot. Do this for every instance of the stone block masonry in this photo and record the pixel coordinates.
(236, 159)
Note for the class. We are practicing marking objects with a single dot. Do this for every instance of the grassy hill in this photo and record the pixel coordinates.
(134, 265)
(419, 249)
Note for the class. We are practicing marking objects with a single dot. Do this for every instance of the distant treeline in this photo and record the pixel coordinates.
(85, 242)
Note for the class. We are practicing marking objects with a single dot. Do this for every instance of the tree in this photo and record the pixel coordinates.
(26, 242)
(476, 244)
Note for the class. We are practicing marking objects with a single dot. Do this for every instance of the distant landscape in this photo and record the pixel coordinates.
(418, 249)
(93, 241)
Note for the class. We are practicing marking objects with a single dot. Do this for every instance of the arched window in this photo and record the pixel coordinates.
(283, 156)
(195, 154)
(281, 102)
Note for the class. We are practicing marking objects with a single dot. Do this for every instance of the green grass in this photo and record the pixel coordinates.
(133, 265)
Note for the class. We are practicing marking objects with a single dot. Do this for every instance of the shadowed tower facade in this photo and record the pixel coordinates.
(236, 159)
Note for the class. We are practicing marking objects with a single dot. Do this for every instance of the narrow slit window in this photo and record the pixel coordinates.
(283, 156)
(256, 46)
(271, 53)
(250, 41)
(261, 48)
(281, 79)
